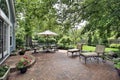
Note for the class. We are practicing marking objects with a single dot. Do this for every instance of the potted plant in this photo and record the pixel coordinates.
(22, 64)
(22, 51)
(4, 72)
(117, 65)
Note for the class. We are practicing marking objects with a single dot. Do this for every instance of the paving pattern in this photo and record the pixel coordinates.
(59, 66)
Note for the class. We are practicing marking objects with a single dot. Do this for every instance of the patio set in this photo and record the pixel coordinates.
(47, 47)
(98, 53)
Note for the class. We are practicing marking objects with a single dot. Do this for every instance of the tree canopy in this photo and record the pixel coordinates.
(102, 16)
(61, 16)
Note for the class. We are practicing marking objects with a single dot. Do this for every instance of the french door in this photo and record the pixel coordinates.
(3, 38)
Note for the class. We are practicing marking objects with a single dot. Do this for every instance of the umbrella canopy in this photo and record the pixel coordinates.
(48, 33)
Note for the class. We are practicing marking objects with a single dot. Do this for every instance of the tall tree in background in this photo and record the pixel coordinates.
(102, 16)
(68, 14)
(33, 16)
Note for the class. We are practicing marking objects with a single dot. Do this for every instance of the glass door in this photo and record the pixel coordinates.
(1, 38)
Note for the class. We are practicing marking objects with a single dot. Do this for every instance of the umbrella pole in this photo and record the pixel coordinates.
(47, 44)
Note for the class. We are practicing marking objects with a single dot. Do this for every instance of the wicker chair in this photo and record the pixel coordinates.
(99, 52)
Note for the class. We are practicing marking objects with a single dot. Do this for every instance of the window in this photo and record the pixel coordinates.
(11, 38)
(3, 6)
(4, 36)
(1, 40)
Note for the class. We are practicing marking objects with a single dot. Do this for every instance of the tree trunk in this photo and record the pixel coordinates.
(28, 42)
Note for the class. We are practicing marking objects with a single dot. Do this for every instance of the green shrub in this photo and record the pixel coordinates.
(115, 45)
(19, 42)
(62, 46)
(3, 69)
(51, 40)
(41, 40)
(117, 63)
(64, 42)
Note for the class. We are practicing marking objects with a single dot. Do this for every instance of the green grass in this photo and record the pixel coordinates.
(88, 48)
(111, 49)
(92, 48)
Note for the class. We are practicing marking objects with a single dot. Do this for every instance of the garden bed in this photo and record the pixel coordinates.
(5, 74)
(13, 60)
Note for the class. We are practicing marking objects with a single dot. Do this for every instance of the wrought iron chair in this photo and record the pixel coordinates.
(99, 52)
(75, 50)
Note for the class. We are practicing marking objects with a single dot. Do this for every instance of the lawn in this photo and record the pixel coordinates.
(92, 48)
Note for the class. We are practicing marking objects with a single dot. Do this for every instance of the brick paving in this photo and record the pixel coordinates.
(59, 66)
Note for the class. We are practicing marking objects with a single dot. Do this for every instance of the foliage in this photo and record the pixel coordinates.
(23, 62)
(20, 37)
(19, 42)
(44, 40)
(62, 46)
(65, 42)
(31, 15)
(102, 17)
(51, 40)
(41, 40)
(3, 69)
(116, 63)
(115, 46)
(92, 48)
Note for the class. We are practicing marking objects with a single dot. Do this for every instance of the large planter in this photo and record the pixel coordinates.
(23, 70)
(5, 76)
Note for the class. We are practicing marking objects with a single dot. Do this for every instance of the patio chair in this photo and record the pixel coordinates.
(75, 50)
(99, 52)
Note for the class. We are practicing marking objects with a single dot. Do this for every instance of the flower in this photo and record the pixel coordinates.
(23, 62)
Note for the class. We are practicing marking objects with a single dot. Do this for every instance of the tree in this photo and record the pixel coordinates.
(102, 16)
(33, 16)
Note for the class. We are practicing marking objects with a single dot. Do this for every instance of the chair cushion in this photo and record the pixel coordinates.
(89, 54)
(73, 50)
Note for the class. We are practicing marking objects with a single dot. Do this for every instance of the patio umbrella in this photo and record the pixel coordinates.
(48, 33)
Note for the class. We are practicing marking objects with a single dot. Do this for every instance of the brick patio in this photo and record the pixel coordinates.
(59, 66)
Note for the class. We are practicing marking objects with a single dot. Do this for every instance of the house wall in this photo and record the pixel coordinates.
(12, 28)
(7, 29)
